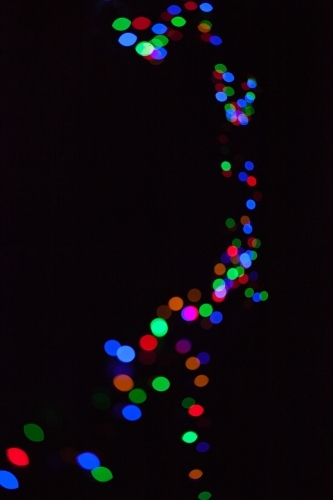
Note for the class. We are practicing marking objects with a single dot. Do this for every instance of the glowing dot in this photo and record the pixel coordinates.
(144, 48)
(251, 83)
(159, 327)
(183, 346)
(123, 383)
(111, 347)
(176, 303)
(178, 21)
(221, 96)
(102, 474)
(125, 354)
(249, 165)
(195, 474)
(263, 295)
(250, 96)
(201, 380)
(189, 437)
(203, 357)
(226, 166)
(88, 461)
(187, 402)
(8, 480)
(256, 297)
(17, 456)
(254, 276)
(137, 396)
(174, 10)
(190, 6)
(219, 269)
(160, 41)
(249, 292)
(189, 313)
(141, 23)
(121, 24)
(241, 103)
(232, 251)
(228, 77)
(196, 410)
(202, 447)
(216, 317)
(206, 7)
(230, 223)
(251, 204)
(247, 229)
(33, 432)
(205, 26)
(243, 119)
(148, 342)
(131, 413)
(232, 273)
(205, 310)
(204, 495)
(215, 40)
(218, 283)
(194, 295)
(245, 260)
(192, 363)
(221, 68)
(245, 220)
(175, 35)
(127, 39)
(163, 312)
(242, 176)
(160, 384)
(159, 29)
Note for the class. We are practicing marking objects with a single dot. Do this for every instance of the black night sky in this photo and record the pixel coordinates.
(112, 202)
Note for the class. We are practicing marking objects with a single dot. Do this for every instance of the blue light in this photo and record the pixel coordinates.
(221, 96)
(206, 7)
(111, 347)
(127, 39)
(245, 260)
(159, 53)
(242, 176)
(216, 317)
(215, 40)
(249, 165)
(230, 113)
(131, 412)
(202, 447)
(174, 10)
(228, 77)
(251, 204)
(249, 253)
(242, 103)
(249, 97)
(251, 84)
(203, 357)
(225, 258)
(243, 119)
(125, 354)
(8, 480)
(256, 297)
(159, 29)
(247, 229)
(88, 461)
(254, 275)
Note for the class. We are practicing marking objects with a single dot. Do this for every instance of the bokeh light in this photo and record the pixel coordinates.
(8, 480)
(189, 313)
(189, 437)
(17, 456)
(205, 310)
(195, 474)
(215, 40)
(160, 384)
(164, 312)
(159, 29)
(123, 383)
(33, 432)
(192, 363)
(204, 495)
(137, 396)
(127, 39)
(201, 381)
(216, 317)
(249, 165)
(206, 7)
(203, 357)
(121, 24)
(194, 295)
(144, 48)
(178, 21)
(187, 402)
(111, 347)
(102, 474)
(141, 23)
(183, 346)
(148, 342)
(88, 461)
(191, 5)
(174, 10)
(125, 353)
(219, 269)
(131, 413)
(159, 327)
(202, 447)
(196, 410)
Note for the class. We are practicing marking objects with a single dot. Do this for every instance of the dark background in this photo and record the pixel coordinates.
(112, 203)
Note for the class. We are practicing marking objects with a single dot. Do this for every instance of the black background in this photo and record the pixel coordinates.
(112, 203)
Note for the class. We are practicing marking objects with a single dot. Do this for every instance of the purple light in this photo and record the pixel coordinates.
(189, 313)
(183, 346)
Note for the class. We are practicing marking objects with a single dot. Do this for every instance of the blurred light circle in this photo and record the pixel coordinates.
(159, 29)
(215, 40)
(131, 412)
(127, 39)
(148, 342)
(174, 10)
(183, 346)
(159, 327)
(125, 353)
(111, 347)
(17, 456)
(88, 460)
(189, 313)
(228, 77)
(203, 357)
(202, 447)
(206, 7)
(216, 317)
(8, 480)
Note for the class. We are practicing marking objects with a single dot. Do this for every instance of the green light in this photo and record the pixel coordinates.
(258, 243)
(189, 437)
(144, 48)
(102, 474)
(187, 402)
(249, 293)
(254, 255)
(220, 68)
(159, 327)
(263, 295)
(232, 273)
(160, 41)
(121, 24)
(204, 495)
(240, 271)
(230, 223)
(225, 165)
(229, 91)
(236, 242)
(100, 400)
(160, 384)
(250, 94)
(34, 432)
(205, 310)
(249, 110)
(218, 282)
(178, 21)
(137, 396)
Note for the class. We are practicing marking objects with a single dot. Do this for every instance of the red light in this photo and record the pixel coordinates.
(232, 251)
(243, 279)
(190, 5)
(205, 37)
(250, 241)
(252, 181)
(175, 35)
(235, 283)
(227, 174)
(141, 23)
(219, 87)
(148, 342)
(217, 75)
(17, 456)
(245, 86)
(166, 16)
(196, 410)
(216, 298)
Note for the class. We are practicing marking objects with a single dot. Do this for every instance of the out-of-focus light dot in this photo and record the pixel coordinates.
(202, 447)
(137, 396)
(232, 274)
(230, 223)
(251, 204)
(141, 23)
(245, 260)
(215, 40)
(144, 48)
(204, 495)
(250, 96)
(205, 27)
(189, 437)
(111, 347)
(221, 96)
(229, 91)
(228, 77)
(236, 242)
(187, 402)
(205, 310)
(218, 283)
(251, 83)
(232, 251)
(183, 346)
(195, 410)
(206, 7)
(88, 461)
(226, 165)
(203, 357)
(123, 383)
(195, 474)
(216, 317)
(194, 295)
(219, 269)
(163, 312)
(249, 293)
(160, 41)
(125, 353)
(254, 275)
(17, 456)
(159, 54)
(247, 229)
(201, 381)
(159, 29)
(192, 363)
(243, 119)
(245, 220)
(241, 103)
(242, 176)
(220, 68)
(252, 181)
(174, 10)
(256, 297)
(178, 21)
(160, 384)
(102, 474)
(249, 165)
(148, 342)
(8, 480)
(175, 35)
(189, 313)
(127, 39)
(121, 24)
(191, 6)
(176, 303)
(131, 413)
(263, 295)
(159, 327)
(33, 432)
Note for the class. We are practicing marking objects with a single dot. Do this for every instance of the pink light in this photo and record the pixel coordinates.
(189, 313)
